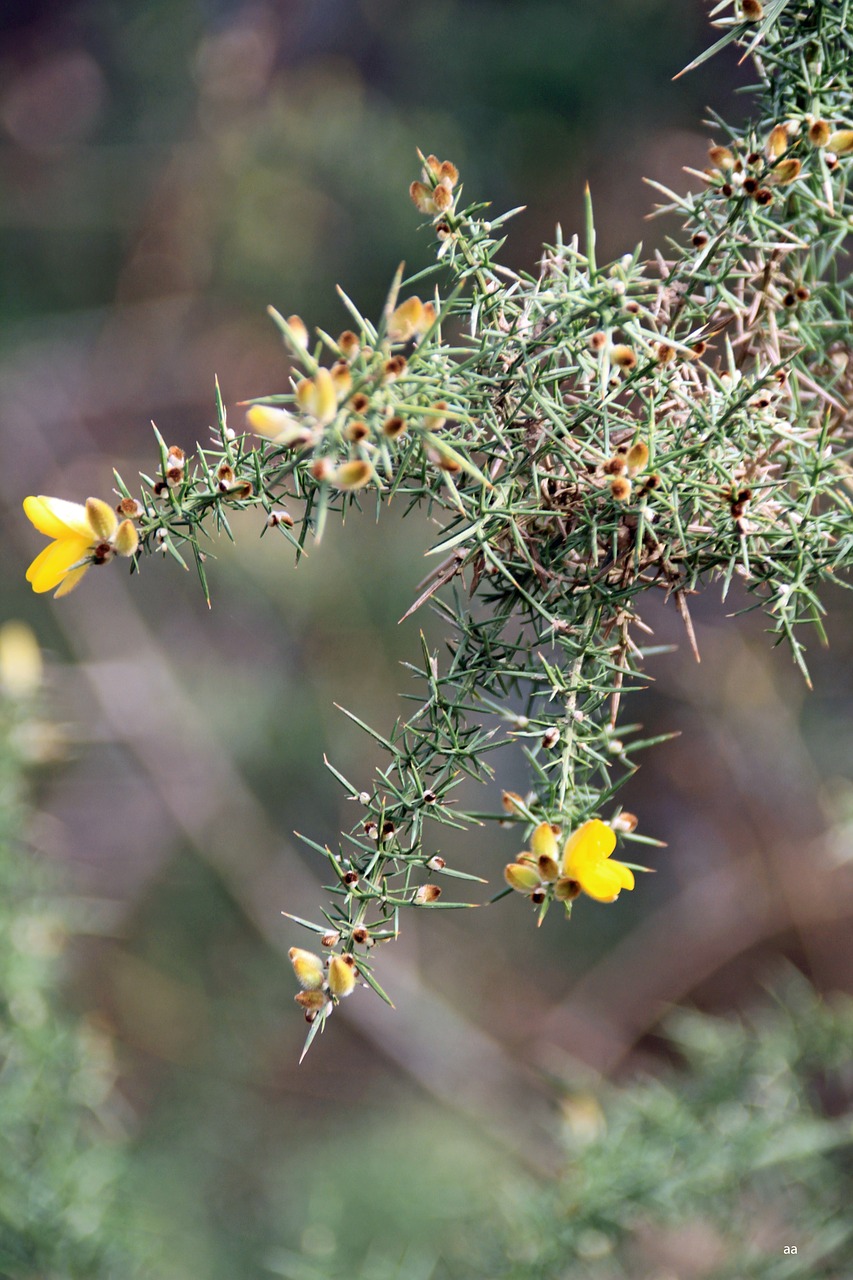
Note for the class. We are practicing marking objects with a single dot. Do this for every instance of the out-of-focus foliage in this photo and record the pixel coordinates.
(60, 1132)
(747, 1148)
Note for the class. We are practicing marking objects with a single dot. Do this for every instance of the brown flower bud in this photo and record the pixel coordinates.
(349, 344)
(623, 357)
(786, 171)
(721, 157)
(277, 517)
(566, 890)
(620, 488)
(753, 10)
(777, 142)
(819, 133)
(394, 427)
(598, 340)
(130, 509)
(426, 894)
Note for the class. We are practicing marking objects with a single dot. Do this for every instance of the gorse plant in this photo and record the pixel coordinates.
(582, 435)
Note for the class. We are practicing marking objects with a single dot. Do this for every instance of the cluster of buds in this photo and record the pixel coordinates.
(434, 195)
(625, 464)
(228, 484)
(324, 982)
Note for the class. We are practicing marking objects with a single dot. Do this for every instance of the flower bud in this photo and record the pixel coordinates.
(841, 142)
(522, 877)
(342, 379)
(361, 936)
(126, 541)
(550, 738)
(102, 519)
(406, 320)
(436, 863)
(598, 340)
(356, 431)
(277, 517)
(512, 802)
(298, 332)
(278, 425)
(448, 173)
(721, 157)
(331, 939)
(753, 10)
(625, 822)
(638, 456)
(322, 468)
(777, 142)
(623, 357)
(308, 968)
(394, 427)
(351, 475)
(620, 488)
(349, 344)
(326, 398)
(341, 977)
(130, 509)
(421, 196)
(426, 894)
(786, 171)
(664, 352)
(548, 867)
(819, 133)
(566, 890)
(313, 1000)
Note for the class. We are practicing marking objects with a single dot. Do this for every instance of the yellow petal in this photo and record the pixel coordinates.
(602, 880)
(625, 874)
(69, 582)
(591, 843)
(543, 842)
(57, 518)
(51, 565)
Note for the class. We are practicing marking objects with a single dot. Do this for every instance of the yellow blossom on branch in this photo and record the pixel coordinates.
(586, 861)
(81, 536)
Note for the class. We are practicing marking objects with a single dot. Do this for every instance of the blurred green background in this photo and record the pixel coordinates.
(168, 168)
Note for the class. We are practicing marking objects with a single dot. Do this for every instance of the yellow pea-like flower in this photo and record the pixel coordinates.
(81, 536)
(586, 861)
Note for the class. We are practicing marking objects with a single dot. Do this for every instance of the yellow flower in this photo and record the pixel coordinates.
(82, 536)
(586, 861)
